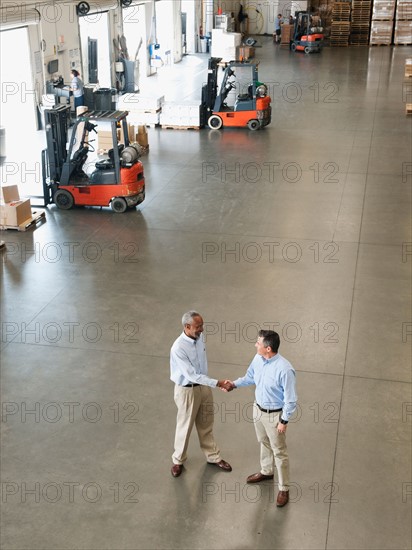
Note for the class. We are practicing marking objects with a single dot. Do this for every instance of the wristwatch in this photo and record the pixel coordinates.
(283, 421)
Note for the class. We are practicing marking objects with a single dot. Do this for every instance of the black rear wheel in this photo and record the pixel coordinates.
(119, 205)
(253, 124)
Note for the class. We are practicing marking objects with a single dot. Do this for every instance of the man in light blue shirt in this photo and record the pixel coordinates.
(278, 28)
(276, 401)
(193, 394)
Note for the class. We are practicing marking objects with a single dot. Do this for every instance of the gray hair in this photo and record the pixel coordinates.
(187, 318)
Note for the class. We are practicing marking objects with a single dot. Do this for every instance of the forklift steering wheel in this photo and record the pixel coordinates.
(91, 127)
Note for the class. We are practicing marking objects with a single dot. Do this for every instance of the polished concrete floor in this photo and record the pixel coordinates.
(304, 227)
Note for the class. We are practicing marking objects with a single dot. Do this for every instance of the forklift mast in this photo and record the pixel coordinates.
(209, 90)
(57, 125)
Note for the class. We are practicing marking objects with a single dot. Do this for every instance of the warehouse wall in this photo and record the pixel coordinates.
(261, 13)
(54, 34)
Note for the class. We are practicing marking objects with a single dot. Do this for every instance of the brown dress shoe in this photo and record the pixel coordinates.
(177, 469)
(283, 498)
(223, 465)
(256, 478)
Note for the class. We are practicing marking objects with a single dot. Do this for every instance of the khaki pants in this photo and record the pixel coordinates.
(272, 446)
(194, 407)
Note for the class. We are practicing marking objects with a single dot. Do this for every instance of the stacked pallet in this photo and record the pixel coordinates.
(382, 22)
(143, 110)
(408, 68)
(340, 29)
(185, 115)
(403, 24)
(360, 22)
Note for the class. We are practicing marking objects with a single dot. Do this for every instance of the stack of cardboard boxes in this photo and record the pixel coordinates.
(244, 53)
(136, 133)
(403, 24)
(382, 22)
(408, 67)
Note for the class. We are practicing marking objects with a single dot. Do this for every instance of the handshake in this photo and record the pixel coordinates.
(226, 385)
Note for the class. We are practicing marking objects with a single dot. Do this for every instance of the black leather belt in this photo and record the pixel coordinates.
(268, 410)
(191, 385)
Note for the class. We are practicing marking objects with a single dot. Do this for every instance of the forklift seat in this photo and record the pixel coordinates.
(249, 95)
(108, 164)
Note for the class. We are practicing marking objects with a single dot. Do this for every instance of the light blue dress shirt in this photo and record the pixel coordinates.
(188, 362)
(275, 381)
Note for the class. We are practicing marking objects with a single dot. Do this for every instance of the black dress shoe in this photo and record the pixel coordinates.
(177, 469)
(256, 478)
(223, 465)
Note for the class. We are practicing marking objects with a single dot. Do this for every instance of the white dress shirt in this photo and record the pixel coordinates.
(188, 362)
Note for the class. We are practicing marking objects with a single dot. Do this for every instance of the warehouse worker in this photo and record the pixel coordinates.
(278, 24)
(193, 394)
(77, 88)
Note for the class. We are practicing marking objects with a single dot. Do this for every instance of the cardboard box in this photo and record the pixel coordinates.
(243, 53)
(14, 211)
(105, 140)
(142, 137)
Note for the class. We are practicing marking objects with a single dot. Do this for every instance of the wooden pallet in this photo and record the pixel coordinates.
(408, 109)
(171, 127)
(28, 224)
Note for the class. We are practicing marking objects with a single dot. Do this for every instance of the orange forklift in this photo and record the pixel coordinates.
(117, 180)
(251, 109)
(307, 33)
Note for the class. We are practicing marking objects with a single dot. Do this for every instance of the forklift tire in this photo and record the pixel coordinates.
(307, 49)
(119, 205)
(293, 47)
(215, 122)
(253, 124)
(63, 199)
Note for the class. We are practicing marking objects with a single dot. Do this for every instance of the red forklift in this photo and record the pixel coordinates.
(251, 109)
(117, 179)
(308, 33)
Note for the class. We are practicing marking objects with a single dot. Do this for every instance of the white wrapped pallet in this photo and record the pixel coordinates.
(137, 102)
(224, 44)
(180, 114)
(145, 119)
